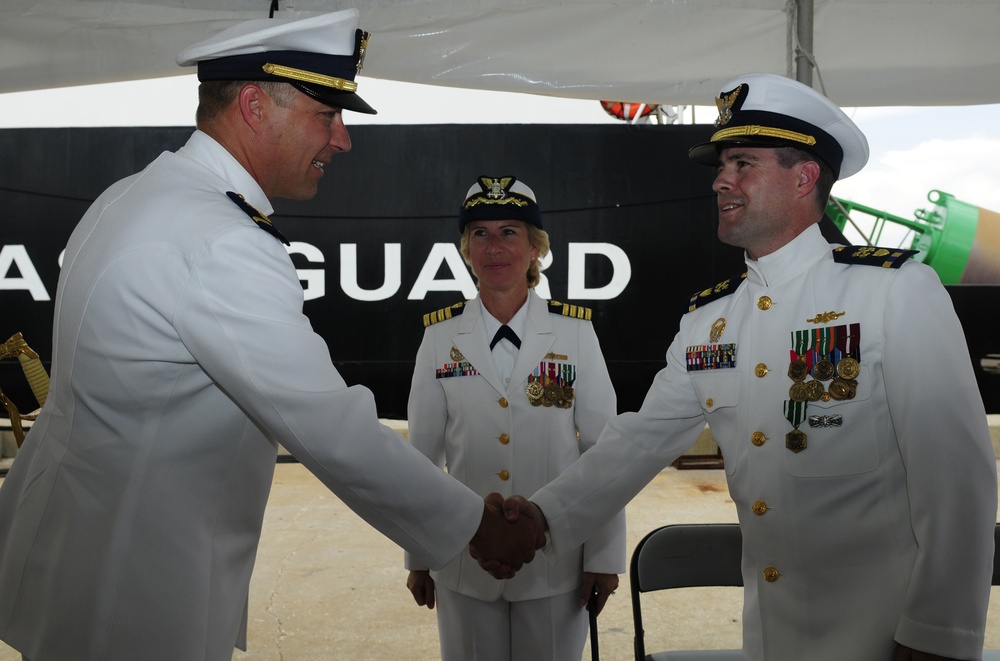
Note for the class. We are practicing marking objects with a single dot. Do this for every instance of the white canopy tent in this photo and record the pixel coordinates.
(675, 52)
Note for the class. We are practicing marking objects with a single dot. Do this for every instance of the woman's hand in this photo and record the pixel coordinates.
(606, 585)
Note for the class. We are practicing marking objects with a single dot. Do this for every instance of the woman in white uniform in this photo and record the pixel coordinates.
(508, 390)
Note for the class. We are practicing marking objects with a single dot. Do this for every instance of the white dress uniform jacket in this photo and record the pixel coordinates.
(882, 527)
(131, 516)
(491, 438)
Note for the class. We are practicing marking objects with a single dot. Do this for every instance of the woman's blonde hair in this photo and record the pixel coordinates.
(537, 239)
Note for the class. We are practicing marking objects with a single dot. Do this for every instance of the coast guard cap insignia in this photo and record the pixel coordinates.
(497, 187)
(363, 40)
(725, 104)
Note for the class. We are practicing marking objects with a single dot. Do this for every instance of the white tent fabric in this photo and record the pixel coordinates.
(677, 52)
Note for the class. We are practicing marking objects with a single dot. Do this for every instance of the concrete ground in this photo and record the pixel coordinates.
(327, 587)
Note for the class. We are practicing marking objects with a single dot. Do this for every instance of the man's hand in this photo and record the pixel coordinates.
(516, 507)
(421, 586)
(606, 584)
(502, 545)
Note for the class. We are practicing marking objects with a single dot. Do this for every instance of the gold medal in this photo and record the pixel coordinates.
(840, 390)
(853, 385)
(798, 392)
(534, 392)
(823, 370)
(848, 368)
(795, 441)
(814, 390)
(797, 370)
(550, 394)
(568, 395)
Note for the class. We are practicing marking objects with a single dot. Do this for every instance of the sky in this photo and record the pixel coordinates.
(914, 150)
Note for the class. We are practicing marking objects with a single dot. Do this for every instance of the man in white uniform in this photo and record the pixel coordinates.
(838, 384)
(181, 358)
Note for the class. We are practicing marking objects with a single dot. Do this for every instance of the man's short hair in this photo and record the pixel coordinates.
(789, 156)
(214, 96)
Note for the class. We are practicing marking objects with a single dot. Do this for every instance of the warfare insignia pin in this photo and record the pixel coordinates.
(826, 317)
(718, 328)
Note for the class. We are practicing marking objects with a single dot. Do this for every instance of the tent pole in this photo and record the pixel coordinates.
(804, 40)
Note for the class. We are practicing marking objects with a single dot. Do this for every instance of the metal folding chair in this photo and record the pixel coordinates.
(994, 655)
(682, 556)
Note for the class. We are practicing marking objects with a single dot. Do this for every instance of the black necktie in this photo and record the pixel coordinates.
(505, 332)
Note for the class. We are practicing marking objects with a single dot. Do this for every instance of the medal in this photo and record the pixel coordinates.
(823, 370)
(848, 368)
(534, 391)
(798, 392)
(795, 413)
(456, 355)
(568, 395)
(551, 384)
(550, 394)
(797, 370)
(839, 390)
(795, 441)
(814, 390)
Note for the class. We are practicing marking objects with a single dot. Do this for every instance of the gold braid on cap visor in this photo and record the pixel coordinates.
(764, 131)
(310, 77)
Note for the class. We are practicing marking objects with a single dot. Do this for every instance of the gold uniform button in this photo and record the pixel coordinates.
(761, 370)
(758, 438)
(764, 302)
(503, 402)
(759, 507)
(770, 574)
(504, 439)
(504, 475)
(709, 403)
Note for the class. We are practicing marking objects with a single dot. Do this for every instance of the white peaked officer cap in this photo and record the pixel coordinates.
(767, 110)
(499, 198)
(319, 55)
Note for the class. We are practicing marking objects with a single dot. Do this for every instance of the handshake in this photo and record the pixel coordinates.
(509, 534)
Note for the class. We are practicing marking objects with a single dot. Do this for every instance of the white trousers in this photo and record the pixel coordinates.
(548, 629)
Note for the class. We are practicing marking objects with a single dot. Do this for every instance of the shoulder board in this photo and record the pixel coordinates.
(569, 310)
(887, 258)
(262, 221)
(724, 288)
(432, 318)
